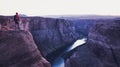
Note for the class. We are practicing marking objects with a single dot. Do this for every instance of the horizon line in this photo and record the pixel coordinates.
(63, 15)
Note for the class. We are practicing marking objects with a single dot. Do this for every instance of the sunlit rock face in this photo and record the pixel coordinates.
(17, 49)
(102, 47)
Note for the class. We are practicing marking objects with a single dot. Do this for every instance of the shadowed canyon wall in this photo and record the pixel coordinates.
(51, 34)
(102, 48)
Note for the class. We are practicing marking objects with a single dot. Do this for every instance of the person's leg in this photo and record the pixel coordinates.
(18, 26)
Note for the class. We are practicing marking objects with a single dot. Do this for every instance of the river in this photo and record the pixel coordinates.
(59, 61)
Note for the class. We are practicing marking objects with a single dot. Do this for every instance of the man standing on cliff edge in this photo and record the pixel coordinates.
(17, 20)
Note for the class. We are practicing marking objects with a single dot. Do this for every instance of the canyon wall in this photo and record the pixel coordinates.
(102, 47)
(17, 49)
(52, 34)
(49, 34)
(83, 25)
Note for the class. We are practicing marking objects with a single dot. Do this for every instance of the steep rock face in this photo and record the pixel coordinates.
(51, 34)
(104, 42)
(83, 57)
(102, 48)
(83, 25)
(17, 49)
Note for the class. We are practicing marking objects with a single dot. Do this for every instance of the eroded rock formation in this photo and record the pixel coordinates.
(102, 48)
(17, 49)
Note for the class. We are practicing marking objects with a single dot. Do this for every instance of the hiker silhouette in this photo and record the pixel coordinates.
(17, 21)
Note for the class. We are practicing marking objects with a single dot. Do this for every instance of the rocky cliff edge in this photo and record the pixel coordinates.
(17, 49)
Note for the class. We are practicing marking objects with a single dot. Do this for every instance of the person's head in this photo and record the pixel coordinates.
(16, 13)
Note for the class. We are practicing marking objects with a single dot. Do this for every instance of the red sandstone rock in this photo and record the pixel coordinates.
(17, 49)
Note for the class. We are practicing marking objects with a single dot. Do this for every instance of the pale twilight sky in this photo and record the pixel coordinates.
(60, 7)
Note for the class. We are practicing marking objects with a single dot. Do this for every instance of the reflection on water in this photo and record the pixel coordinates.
(59, 62)
(77, 43)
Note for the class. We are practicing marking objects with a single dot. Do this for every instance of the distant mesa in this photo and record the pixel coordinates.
(77, 17)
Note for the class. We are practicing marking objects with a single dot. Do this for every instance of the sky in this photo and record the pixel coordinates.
(60, 7)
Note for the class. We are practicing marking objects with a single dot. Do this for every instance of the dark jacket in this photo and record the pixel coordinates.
(16, 18)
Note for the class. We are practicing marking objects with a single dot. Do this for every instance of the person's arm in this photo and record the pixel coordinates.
(18, 18)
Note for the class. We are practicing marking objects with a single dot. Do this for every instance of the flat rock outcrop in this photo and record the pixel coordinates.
(102, 48)
(17, 49)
